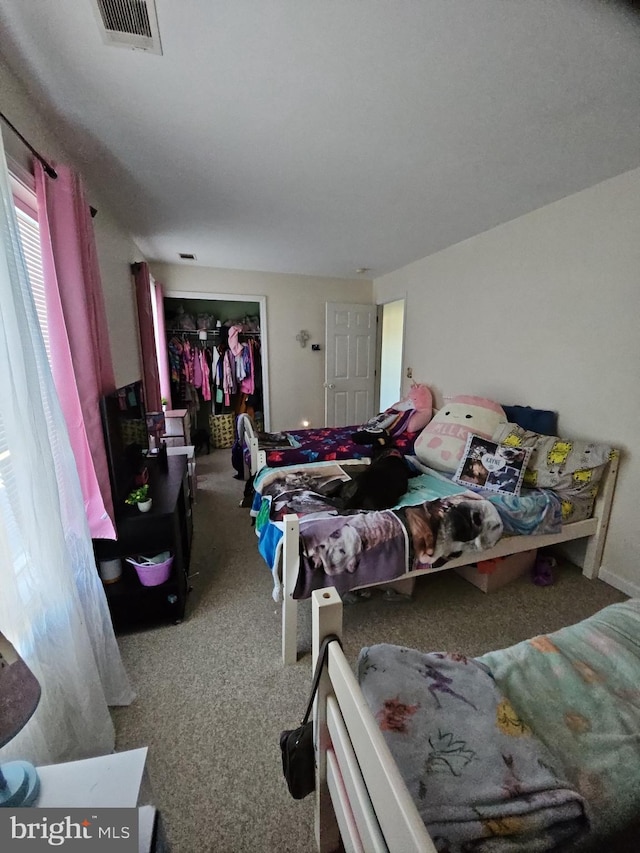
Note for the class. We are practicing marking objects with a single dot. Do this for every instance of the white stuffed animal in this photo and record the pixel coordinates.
(442, 443)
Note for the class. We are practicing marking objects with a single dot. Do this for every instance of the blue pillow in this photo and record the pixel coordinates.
(535, 420)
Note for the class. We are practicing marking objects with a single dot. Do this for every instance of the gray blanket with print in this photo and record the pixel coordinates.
(479, 777)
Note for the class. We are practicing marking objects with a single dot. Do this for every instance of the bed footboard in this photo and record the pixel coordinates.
(290, 567)
(360, 794)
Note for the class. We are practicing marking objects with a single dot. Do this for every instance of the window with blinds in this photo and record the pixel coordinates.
(30, 238)
(25, 204)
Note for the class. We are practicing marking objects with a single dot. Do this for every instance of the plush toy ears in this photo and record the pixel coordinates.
(421, 397)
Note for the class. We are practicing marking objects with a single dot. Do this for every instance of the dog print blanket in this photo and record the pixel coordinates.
(435, 521)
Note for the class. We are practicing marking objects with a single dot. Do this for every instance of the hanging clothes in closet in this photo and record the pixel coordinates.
(191, 362)
(222, 374)
(238, 370)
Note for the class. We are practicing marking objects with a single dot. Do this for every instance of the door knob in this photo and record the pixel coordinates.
(329, 385)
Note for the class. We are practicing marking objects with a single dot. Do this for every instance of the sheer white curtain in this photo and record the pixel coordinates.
(52, 604)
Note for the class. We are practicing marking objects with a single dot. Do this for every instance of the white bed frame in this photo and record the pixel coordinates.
(593, 530)
(258, 457)
(360, 794)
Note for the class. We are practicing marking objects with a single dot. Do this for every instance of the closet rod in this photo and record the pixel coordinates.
(197, 331)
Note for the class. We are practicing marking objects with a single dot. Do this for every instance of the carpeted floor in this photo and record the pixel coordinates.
(213, 696)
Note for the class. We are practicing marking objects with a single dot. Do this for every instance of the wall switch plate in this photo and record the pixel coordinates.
(315, 347)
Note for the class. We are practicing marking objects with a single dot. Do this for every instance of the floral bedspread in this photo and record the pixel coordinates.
(479, 777)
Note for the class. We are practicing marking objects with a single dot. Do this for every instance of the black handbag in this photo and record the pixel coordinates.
(296, 745)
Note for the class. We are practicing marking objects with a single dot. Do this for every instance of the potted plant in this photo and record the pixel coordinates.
(165, 403)
(140, 497)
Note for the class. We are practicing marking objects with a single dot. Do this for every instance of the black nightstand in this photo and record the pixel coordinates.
(168, 526)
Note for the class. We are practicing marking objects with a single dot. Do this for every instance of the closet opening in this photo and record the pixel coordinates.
(217, 353)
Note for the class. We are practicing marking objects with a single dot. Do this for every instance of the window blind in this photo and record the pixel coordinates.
(30, 239)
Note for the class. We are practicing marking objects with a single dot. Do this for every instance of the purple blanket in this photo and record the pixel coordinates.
(327, 444)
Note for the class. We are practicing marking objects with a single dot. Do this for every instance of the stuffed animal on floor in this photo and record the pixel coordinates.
(441, 444)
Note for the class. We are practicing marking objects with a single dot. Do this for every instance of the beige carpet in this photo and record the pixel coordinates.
(212, 695)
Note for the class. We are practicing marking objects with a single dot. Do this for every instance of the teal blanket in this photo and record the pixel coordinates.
(579, 691)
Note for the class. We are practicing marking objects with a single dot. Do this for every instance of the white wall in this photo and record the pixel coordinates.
(296, 375)
(116, 250)
(543, 311)
(116, 253)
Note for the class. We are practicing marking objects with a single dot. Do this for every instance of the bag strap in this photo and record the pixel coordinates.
(322, 654)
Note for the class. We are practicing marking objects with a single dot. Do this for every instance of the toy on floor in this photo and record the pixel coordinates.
(542, 571)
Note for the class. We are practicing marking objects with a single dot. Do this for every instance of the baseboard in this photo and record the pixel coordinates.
(628, 587)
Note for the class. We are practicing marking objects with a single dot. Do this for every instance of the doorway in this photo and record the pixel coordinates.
(216, 312)
(391, 324)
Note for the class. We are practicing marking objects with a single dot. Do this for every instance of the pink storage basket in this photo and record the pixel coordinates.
(151, 573)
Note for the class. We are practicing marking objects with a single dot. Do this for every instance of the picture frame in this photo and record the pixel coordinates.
(490, 466)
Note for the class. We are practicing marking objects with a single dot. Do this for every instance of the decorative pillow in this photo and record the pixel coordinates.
(543, 421)
(411, 414)
(573, 468)
(441, 444)
(492, 466)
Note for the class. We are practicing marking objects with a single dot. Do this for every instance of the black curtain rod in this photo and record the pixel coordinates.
(46, 166)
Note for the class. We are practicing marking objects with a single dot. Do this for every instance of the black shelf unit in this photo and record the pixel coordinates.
(168, 526)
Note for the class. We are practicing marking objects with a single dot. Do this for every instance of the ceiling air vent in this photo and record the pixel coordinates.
(187, 256)
(129, 23)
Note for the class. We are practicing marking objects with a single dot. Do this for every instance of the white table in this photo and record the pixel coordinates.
(117, 780)
(108, 781)
(177, 427)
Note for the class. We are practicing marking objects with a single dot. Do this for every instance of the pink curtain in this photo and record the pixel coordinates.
(161, 345)
(80, 351)
(150, 378)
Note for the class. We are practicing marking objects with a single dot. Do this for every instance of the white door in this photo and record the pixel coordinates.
(350, 363)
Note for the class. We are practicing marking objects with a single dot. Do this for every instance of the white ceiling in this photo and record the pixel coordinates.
(320, 136)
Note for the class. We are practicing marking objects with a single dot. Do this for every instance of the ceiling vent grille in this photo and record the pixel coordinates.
(129, 23)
